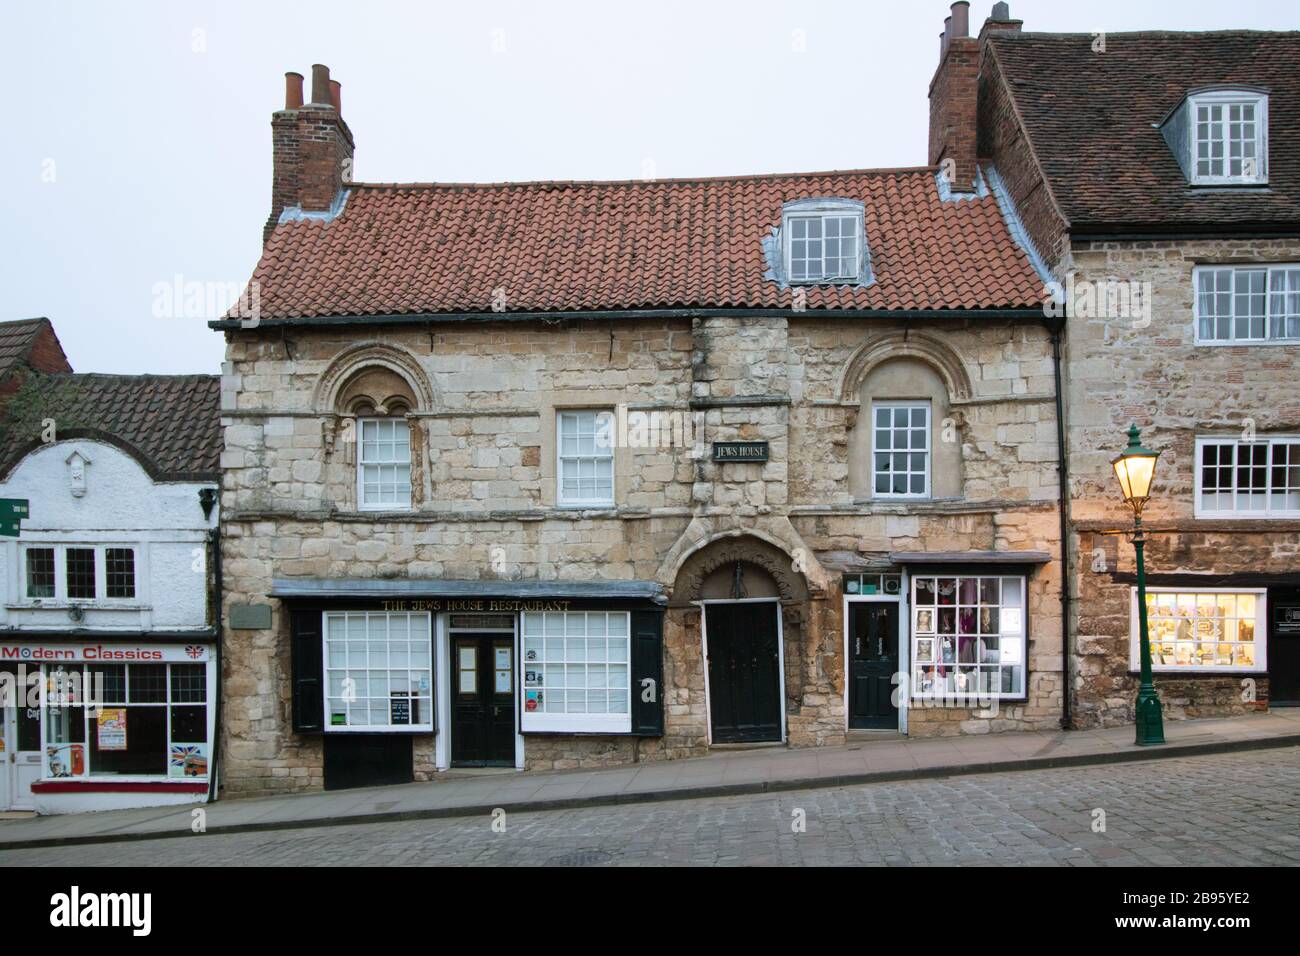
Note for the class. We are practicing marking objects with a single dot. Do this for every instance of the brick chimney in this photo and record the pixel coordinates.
(311, 147)
(953, 98)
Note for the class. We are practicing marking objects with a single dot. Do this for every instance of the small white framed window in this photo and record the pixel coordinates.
(79, 572)
(1229, 137)
(900, 449)
(1203, 629)
(1237, 305)
(968, 637)
(577, 672)
(585, 458)
(1248, 479)
(823, 241)
(384, 464)
(378, 671)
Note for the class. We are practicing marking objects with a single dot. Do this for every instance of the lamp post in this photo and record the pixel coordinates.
(1135, 466)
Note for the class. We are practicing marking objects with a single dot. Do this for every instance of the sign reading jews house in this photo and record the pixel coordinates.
(740, 451)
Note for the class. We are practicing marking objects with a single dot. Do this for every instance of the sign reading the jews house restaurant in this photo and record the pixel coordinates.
(740, 451)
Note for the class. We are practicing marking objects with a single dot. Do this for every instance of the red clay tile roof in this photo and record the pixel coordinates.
(1089, 118)
(557, 246)
(171, 422)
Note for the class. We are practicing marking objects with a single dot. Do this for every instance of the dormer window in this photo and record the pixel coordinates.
(1229, 137)
(824, 241)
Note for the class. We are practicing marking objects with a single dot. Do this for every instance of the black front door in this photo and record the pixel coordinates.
(873, 662)
(1284, 648)
(483, 710)
(744, 672)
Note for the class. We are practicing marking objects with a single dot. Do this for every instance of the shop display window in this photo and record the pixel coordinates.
(577, 672)
(968, 636)
(378, 671)
(1199, 630)
(123, 720)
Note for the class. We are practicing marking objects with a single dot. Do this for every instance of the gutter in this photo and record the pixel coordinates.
(214, 539)
(425, 318)
(1055, 327)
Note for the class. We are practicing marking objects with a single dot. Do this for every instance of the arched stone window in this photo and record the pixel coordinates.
(370, 395)
(905, 443)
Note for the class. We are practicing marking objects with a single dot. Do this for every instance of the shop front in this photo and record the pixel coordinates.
(105, 725)
(398, 677)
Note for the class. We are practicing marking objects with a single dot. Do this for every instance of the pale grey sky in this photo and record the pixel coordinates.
(137, 134)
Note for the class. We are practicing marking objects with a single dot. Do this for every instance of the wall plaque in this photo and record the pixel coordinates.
(740, 451)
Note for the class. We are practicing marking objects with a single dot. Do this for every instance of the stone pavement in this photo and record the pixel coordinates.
(731, 773)
(1227, 809)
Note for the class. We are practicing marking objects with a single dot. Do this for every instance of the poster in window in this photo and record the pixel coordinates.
(1010, 620)
(925, 622)
(1010, 652)
(532, 700)
(187, 760)
(399, 708)
(925, 650)
(65, 760)
(111, 728)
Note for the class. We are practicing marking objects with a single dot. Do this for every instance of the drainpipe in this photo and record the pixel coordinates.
(214, 542)
(1055, 326)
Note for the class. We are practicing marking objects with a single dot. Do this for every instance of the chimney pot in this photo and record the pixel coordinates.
(320, 84)
(1001, 11)
(336, 96)
(292, 91)
(960, 18)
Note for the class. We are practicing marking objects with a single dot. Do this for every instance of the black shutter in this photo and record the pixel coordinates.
(308, 671)
(648, 664)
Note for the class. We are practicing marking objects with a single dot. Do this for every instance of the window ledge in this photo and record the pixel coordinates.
(53, 605)
(119, 786)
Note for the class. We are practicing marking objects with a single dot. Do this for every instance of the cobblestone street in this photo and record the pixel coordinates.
(1227, 810)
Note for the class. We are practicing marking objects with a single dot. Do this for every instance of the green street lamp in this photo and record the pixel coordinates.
(1135, 466)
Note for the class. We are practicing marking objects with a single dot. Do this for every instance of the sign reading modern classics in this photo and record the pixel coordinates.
(740, 451)
(156, 653)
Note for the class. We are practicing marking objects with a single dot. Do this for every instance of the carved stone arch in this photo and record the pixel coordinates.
(894, 345)
(371, 356)
(745, 549)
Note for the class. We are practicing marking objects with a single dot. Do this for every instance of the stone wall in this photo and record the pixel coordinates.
(1147, 369)
(484, 438)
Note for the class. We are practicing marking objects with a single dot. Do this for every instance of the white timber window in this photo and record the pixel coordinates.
(1229, 137)
(378, 671)
(823, 241)
(1251, 305)
(900, 450)
(968, 636)
(1248, 479)
(1203, 629)
(384, 465)
(585, 466)
(577, 672)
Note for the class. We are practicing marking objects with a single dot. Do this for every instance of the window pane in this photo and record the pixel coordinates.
(40, 572)
(120, 572)
(80, 568)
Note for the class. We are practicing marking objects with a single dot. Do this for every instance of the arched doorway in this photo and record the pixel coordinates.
(749, 605)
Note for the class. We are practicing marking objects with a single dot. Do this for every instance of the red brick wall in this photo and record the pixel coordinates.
(1002, 140)
(47, 354)
(311, 146)
(953, 101)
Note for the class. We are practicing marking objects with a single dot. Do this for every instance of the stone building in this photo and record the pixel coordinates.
(564, 474)
(1159, 176)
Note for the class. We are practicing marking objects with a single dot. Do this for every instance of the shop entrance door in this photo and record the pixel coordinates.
(744, 664)
(1284, 649)
(873, 662)
(483, 700)
(20, 745)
